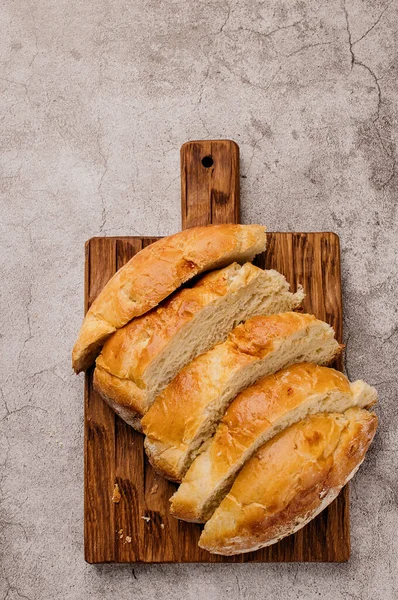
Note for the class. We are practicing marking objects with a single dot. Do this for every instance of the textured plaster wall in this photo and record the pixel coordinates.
(96, 97)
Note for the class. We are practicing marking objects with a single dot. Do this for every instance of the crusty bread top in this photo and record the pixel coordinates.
(155, 272)
(130, 350)
(259, 406)
(286, 481)
(170, 417)
(258, 413)
(279, 393)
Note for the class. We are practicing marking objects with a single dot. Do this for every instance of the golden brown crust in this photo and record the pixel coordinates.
(132, 359)
(253, 413)
(127, 354)
(251, 340)
(289, 480)
(127, 413)
(157, 271)
(171, 422)
(256, 337)
(129, 396)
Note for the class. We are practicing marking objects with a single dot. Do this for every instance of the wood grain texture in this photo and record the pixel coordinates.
(209, 183)
(99, 429)
(114, 452)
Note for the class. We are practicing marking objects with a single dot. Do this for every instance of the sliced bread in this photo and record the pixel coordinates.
(141, 358)
(290, 480)
(255, 416)
(155, 273)
(185, 415)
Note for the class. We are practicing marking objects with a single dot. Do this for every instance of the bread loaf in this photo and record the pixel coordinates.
(255, 416)
(290, 480)
(140, 359)
(155, 273)
(186, 413)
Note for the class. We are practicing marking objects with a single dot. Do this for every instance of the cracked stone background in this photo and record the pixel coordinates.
(96, 98)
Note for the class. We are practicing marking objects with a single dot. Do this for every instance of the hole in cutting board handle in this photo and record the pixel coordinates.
(207, 161)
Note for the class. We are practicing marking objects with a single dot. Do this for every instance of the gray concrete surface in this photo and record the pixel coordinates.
(96, 98)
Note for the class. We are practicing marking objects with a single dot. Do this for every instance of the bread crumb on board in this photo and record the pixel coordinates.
(147, 519)
(116, 496)
(162, 525)
(154, 488)
(120, 534)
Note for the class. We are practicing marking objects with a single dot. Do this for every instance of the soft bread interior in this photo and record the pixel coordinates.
(204, 485)
(250, 291)
(314, 343)
(156, 272)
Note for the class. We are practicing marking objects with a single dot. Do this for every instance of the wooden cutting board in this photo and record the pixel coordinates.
(139, 528)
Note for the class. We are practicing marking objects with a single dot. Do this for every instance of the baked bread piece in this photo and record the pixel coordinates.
(155, 273)
(141, 358)
(290, 480)
(255, 416)
(186, 413)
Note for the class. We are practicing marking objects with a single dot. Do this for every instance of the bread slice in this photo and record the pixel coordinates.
(186, 413)
(255, 416)
(155, 273)
(139, 360)
(290, 480)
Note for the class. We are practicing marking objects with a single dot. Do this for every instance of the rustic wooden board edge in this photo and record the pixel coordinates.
(151, 237)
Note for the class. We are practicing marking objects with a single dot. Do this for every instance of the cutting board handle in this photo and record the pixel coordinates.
(210, 192)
